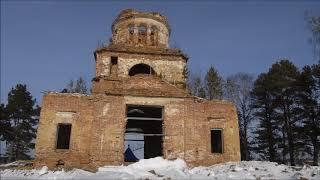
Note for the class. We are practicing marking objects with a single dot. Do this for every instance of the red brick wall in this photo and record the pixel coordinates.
(98, 126)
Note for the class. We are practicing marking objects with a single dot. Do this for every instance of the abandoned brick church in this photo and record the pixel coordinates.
(139, 107)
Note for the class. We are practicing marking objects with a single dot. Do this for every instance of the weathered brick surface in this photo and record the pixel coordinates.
(128, 17)
(64, 108)
(99, 120)
(170, 66)
(139, 85)
(98, 125)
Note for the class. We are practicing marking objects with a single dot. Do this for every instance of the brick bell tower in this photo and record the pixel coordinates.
(139, 49)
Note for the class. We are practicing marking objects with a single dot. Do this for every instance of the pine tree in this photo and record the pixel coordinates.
(23, 117)
(5, 126)
(201, 92)
(213, 84)
(309, 100)
(283, 76)
(266, 130)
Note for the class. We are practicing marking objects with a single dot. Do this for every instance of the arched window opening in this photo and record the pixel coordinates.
(131, 32)
(153, 36)
(142, 34)
(141, 69)
(131, 28)
(142, 29)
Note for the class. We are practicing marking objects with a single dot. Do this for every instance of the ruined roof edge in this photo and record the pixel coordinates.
(222, 101)
(69, 94)
(151, 52)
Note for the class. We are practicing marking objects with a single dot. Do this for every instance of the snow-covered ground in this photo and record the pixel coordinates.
(158, 168)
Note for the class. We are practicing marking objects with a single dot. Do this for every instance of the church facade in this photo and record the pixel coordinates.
(139, 104)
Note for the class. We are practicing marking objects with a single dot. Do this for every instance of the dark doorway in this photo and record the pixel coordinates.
(143, 136)
(216, 141)
(63, 137)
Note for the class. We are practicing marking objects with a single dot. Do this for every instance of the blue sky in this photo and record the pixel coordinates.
(45, 44)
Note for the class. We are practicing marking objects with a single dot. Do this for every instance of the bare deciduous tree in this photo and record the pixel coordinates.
(80, 86)
(195, 85)
(237, 89)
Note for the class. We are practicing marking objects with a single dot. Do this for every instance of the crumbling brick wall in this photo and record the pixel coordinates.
(139, 85)
(127, 18)
(98, 125)
(170, 68)
(58, 108)
(202, 116)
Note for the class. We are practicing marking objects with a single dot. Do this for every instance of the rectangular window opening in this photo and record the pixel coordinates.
(114, 60)
(216, 141)
(63, 138)
(143, 135)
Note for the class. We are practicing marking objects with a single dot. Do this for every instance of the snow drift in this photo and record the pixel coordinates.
(159, 168)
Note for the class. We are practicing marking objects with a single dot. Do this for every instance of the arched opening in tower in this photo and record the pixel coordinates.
(131, 33)
(153, 36)
(141, 69)
(142, 31)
